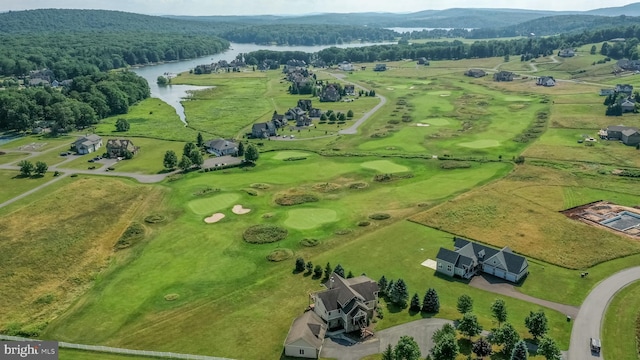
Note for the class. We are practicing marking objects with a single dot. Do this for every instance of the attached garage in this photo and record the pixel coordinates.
(306, 336)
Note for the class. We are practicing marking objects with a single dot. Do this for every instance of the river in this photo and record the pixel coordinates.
(174, 94)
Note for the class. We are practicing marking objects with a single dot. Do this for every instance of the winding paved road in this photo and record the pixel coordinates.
(589, 321)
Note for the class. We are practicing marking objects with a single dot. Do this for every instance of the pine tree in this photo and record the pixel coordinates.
(399, 294)
(465, 304)
(328, 271)
(349, 275)
(407, 349)
(339, 270)
(309, 267)
(317, 271)
(387, 354)
(240, 149)
(469, 325)
(382, 285)
(520, 351)
(170, 159)
(415, 303)
(299, 265)
(431, 301)
(199, 140)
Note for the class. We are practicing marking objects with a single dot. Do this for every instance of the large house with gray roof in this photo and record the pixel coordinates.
(87, 144)
(627, 134)
(470, 258)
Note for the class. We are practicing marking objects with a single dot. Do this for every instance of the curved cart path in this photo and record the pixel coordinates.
(589, 321)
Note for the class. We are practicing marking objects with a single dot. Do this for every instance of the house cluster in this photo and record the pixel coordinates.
(546, 81)
(223, 65)
(301, 115)
(347, 305)
(567, 53)
(45, 77)
(470, 258)
(624, 89)
(626, 134)
(622, 94)
(302, 80)
(503, 76)
(116, 148)
(475, 73)
(629, 65)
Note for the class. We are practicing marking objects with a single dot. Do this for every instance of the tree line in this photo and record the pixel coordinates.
(87, 100)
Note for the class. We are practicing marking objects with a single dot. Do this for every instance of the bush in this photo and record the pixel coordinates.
(358, 185)
(379, 216)
(342, 232)
(251, 192)
(364, 223)
(260, 186)
(73, 175)
(280, 255)
(171, 297)
(266, 233)
(309, 242)
(134, 233)
(295, 158)
(296, 199)
(393, 122)
(205, 191)
(154, 219)
(455, 165)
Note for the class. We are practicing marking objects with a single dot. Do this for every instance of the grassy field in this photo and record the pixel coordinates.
(39, 143)
(14, 184)
(151, 118)
(620, 323)
(70, 354)
(149, 159)
(10, 157)
(77, 240)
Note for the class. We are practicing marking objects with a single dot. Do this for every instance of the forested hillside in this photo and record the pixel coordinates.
(307, 35)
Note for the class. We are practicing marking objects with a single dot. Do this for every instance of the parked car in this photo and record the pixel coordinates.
(92, 160)
(595, 345)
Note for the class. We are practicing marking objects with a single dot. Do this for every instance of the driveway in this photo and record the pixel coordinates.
(421, 330)
(499, 286)
(589, 321)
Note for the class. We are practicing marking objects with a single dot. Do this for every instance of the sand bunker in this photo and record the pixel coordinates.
(214, 218)
(421, 124)
(239, 210)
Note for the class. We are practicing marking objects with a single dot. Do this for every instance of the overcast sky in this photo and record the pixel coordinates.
(259, 7)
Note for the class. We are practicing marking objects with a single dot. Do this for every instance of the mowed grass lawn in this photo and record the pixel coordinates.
(224, 284)
(13, 184)
(9, 157)
(620, 325)
(71, 354)
(74, 227)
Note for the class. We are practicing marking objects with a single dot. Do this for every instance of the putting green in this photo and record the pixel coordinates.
(436, 121)
(384, 166)
(439, 93)
(281, 155)
(304, 219)
(209, 205)
(517, 98)
(480, 144)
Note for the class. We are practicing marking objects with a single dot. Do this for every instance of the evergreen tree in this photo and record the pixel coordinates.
(407, 349)
(299, 265)
(339, 270)
(196, 158)
(499, 311)
(482, 348)
(309, 267)
(399, 294)
(431, 302)
(446, 330)
(507, 336)
(593, 50)
(251, 154)
(350, 113)
(520, 351)
(415, 303)
(465, 304)
(469, 325)
(382, 285)
(548, 348)
(387, 354)
(537, 323)
(199, 140)
(240, 149)
(349, 275)
(317, 271)
(170, 159)
(446, 349)
(389, 287)
(328, 270)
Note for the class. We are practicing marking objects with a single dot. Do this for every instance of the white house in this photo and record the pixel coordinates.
(88, 144)
(345, 66)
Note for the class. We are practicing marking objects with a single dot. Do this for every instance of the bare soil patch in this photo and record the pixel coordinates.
(214, 218)
(600, 212)
(326, 187)
(280, 255)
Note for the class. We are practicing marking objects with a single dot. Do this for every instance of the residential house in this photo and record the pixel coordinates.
(119, 147)
(380, 67)
(628, 106)
(294, 114)
(503, 76)
(304, 104)
(315, 113)
(631, 137)
(55, 83)
(303, 120)
(476, 73)
(296, 63)
(470, 258)
(87, 144)
(345, 66)
(279, 120)
(306, 336)
(44, 74)
(38, 82)
(348, 304)
(630, 65)
(624, 89)
(607, 92)
(263, 130)
(546, 81)
(423, 61)
(66, 83)
(330, 93)
(350, 90)
(221, 147)
(567, 53)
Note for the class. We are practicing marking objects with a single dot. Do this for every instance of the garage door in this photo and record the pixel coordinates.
(511, 277)
(499, 273)
(488, 269)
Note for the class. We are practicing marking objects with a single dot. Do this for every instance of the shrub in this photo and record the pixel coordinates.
(154, 219)
(309, 242)
(342, 232)
(134, 233)
(358, 185)
(73, 175)
(260, 186)
(251, 192)
(455, 165)
(171, 297)
(364, 223)
(295, 158)
(280, 255)
(379, 216)
(205, 191)
(266, 233)
(296, 199)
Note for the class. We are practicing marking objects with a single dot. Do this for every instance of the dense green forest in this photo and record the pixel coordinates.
(83, 103)
(308, 35)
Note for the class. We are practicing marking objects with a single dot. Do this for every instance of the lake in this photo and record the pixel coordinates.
(174, 94)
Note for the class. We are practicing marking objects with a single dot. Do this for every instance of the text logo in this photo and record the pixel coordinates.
(29, 350)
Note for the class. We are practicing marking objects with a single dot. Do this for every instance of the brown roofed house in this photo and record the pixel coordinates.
(503, 76)
(120, 148)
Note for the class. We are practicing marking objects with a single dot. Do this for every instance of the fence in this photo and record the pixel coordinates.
(112, 350)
